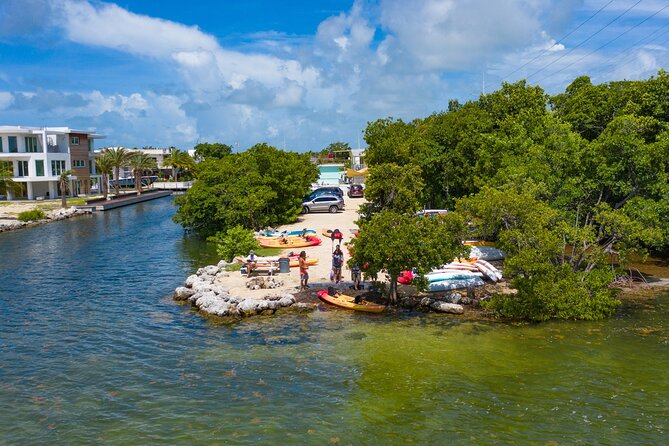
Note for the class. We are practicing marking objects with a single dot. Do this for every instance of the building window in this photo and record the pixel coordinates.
(78, 163)
(90, 145)
(39, 168)
(74, 141)
(31, 144)
(57, 167)
(22, 168)
(13, 146)
(1, 149)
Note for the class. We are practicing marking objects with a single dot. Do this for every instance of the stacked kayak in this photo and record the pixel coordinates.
(484, 250)
(267, 261)
(286, 233)
(454, 284)
(288, 242)
(348, 302)
(456, 275)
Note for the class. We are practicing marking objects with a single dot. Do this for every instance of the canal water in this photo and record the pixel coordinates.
(94, 350)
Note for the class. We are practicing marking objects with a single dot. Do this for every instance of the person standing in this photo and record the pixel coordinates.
(304, 274)
(337, 263)
(355, 276)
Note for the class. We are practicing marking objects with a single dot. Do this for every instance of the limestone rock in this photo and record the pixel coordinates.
(190, 280)
(183, 293)
(445, 307)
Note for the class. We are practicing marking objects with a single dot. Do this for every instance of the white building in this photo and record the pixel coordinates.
(157, 154)
(39, 155)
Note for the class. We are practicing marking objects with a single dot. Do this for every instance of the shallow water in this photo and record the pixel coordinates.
(93, 349)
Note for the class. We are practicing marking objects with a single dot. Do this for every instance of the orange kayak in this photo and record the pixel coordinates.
(348, 302)
(288, 242)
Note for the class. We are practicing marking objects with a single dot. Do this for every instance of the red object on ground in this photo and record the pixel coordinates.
(405, 277)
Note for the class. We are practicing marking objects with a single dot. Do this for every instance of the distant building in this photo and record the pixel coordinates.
(358, 159)
(158, 156)
(38, 155)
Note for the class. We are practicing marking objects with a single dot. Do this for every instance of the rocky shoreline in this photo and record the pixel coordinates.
(206, 291)
(60, 214)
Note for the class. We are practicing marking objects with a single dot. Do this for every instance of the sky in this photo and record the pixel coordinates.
(299, 74)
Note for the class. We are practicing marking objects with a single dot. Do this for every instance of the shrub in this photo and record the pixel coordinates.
(236, 241)
(558, 293)
(32, 215)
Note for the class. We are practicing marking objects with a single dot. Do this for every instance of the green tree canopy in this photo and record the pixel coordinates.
(207, 150)
(394, 242)
(261, 187)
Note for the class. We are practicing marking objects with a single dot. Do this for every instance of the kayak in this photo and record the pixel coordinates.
(288, 242)
(478, 243)
(490, 271)
(487, 253)
(285, 233)
(448, 285)
(262, 261)
(328, 233)
(348, 302)
(437, 276)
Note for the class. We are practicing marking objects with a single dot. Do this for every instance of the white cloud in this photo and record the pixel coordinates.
(110, 26)
(6, 99)
(454, 35)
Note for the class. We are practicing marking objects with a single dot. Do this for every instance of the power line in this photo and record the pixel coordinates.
(609, 42)
(584, 41)
(624, 50)
(557, 42)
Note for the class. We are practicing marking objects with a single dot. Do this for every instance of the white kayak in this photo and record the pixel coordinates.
(488, 270)
(448, 285)
(488, 253)
(438, 275)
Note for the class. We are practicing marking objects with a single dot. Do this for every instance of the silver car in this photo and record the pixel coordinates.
(323, 203)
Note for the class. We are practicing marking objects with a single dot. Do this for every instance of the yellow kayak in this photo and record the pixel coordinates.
(348, 302)
(478, 243)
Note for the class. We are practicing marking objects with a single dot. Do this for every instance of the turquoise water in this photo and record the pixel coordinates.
(94, 350)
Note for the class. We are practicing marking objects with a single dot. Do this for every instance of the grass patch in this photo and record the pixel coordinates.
(32, 215)
(233, 267)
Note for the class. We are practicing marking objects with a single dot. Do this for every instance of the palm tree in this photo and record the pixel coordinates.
(140, 162)
(119, 157)
(6, 182)
(105, 165)
(64, 182)
(178, 159)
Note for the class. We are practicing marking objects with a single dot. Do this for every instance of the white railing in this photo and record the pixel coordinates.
(173, 185)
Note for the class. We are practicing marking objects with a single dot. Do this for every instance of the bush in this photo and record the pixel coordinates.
(32, 215)
(236, 241)
(558, 293)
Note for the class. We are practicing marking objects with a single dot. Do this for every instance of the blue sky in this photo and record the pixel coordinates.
(299, 74)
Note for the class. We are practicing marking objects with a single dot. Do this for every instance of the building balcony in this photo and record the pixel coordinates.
(56, 148)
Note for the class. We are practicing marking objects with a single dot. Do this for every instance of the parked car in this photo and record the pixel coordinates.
(327, 190)
(355, 190)
(323, 203)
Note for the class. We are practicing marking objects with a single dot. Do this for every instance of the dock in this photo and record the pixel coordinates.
(131, 198)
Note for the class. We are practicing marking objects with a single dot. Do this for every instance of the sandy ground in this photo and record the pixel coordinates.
(319, 274)
(10, 210)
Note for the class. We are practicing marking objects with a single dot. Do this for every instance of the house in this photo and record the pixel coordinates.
(38, 155)
(158, 156)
